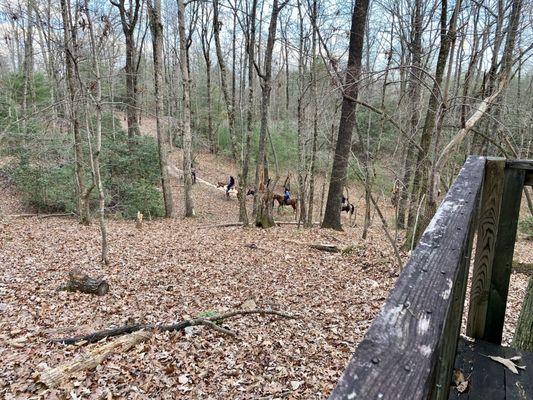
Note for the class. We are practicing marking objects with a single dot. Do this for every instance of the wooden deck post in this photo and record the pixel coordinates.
(498, 220)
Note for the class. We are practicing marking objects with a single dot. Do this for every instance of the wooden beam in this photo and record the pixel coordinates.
(409, 349)
(520, 164)
(528, 180)
(503, 254)
(489, 217)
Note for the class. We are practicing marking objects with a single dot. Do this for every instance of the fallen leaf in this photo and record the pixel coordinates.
(248, 305)
(296, 384)
(508, 362)
(183, 379)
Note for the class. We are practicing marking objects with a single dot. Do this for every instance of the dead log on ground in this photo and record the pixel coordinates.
(211, 322)
(331, 248)
(81, 282)
(55, 376)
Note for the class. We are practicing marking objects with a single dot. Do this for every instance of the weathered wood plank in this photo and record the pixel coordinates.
(488, 379)
(489, 217)
(413, 335)
(519, 387)
(528, 180)
(520, 164)
(503, 255)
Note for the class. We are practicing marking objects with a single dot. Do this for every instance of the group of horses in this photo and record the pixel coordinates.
(346, 206)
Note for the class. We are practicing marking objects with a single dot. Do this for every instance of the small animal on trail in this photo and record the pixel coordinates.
(220, 184)
(282, 202)
(250, 192)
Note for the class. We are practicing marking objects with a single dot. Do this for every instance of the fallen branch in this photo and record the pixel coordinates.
(331, 248)
(233, 224)
(210, 322)
(53, 377)
(40, 215)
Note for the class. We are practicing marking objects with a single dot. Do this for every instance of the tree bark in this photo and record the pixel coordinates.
(154, 14)
(94, 154)
(332, 217)
(415, 77)
(264, 216)
(55, 376)
(187, 133)
(241, 180)
(70, 39)
(435, 102)
(129, 19)
(81, 282)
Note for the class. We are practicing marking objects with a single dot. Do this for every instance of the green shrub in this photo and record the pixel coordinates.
(140, 196)
(45, 176)
(47, 189)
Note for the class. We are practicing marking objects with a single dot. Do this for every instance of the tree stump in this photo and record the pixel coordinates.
(81, 282)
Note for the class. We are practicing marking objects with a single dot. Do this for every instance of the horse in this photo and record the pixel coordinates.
(250, 192)
(281, 202)
(349, 208)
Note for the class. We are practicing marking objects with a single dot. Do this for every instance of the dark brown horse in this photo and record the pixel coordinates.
(281, 201)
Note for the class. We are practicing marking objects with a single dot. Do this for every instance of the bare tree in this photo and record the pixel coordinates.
(71, 57)
(129, 17)
(154, 14)
(187, 133)
(342, 152)
(264, 217)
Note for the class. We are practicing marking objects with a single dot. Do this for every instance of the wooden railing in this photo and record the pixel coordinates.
(409, 350)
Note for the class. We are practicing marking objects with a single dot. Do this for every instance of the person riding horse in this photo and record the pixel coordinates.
(286, 195)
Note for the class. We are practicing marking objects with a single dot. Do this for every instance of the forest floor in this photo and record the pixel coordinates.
(176, 269)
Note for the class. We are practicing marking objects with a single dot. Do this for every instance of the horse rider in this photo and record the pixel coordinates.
(286, 195)
(230, 185)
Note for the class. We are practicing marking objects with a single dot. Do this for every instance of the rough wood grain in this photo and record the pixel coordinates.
(412, 336)
(503, 255)
(55, 376)
(490, 380)
(489, 217)
(81, 282)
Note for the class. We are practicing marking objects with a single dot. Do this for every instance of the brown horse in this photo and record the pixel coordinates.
(281, 202)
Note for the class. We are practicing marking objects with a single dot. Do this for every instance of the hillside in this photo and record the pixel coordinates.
(176, 269)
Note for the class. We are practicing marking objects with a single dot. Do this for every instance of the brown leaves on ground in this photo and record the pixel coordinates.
(171, 270)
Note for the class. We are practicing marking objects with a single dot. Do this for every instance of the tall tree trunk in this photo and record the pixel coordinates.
(187, 134)
(206, 36)
(241, 181)
(264, 216)
(250, 48)
(423, 162)
(332, 218)
(415, 78)
(95, 153)
(154, 13)
(70, 38)
(314, 96)
(27, 69)
(300, 111)
(129, 18)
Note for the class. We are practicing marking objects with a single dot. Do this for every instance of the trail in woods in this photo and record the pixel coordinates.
(171, 270)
